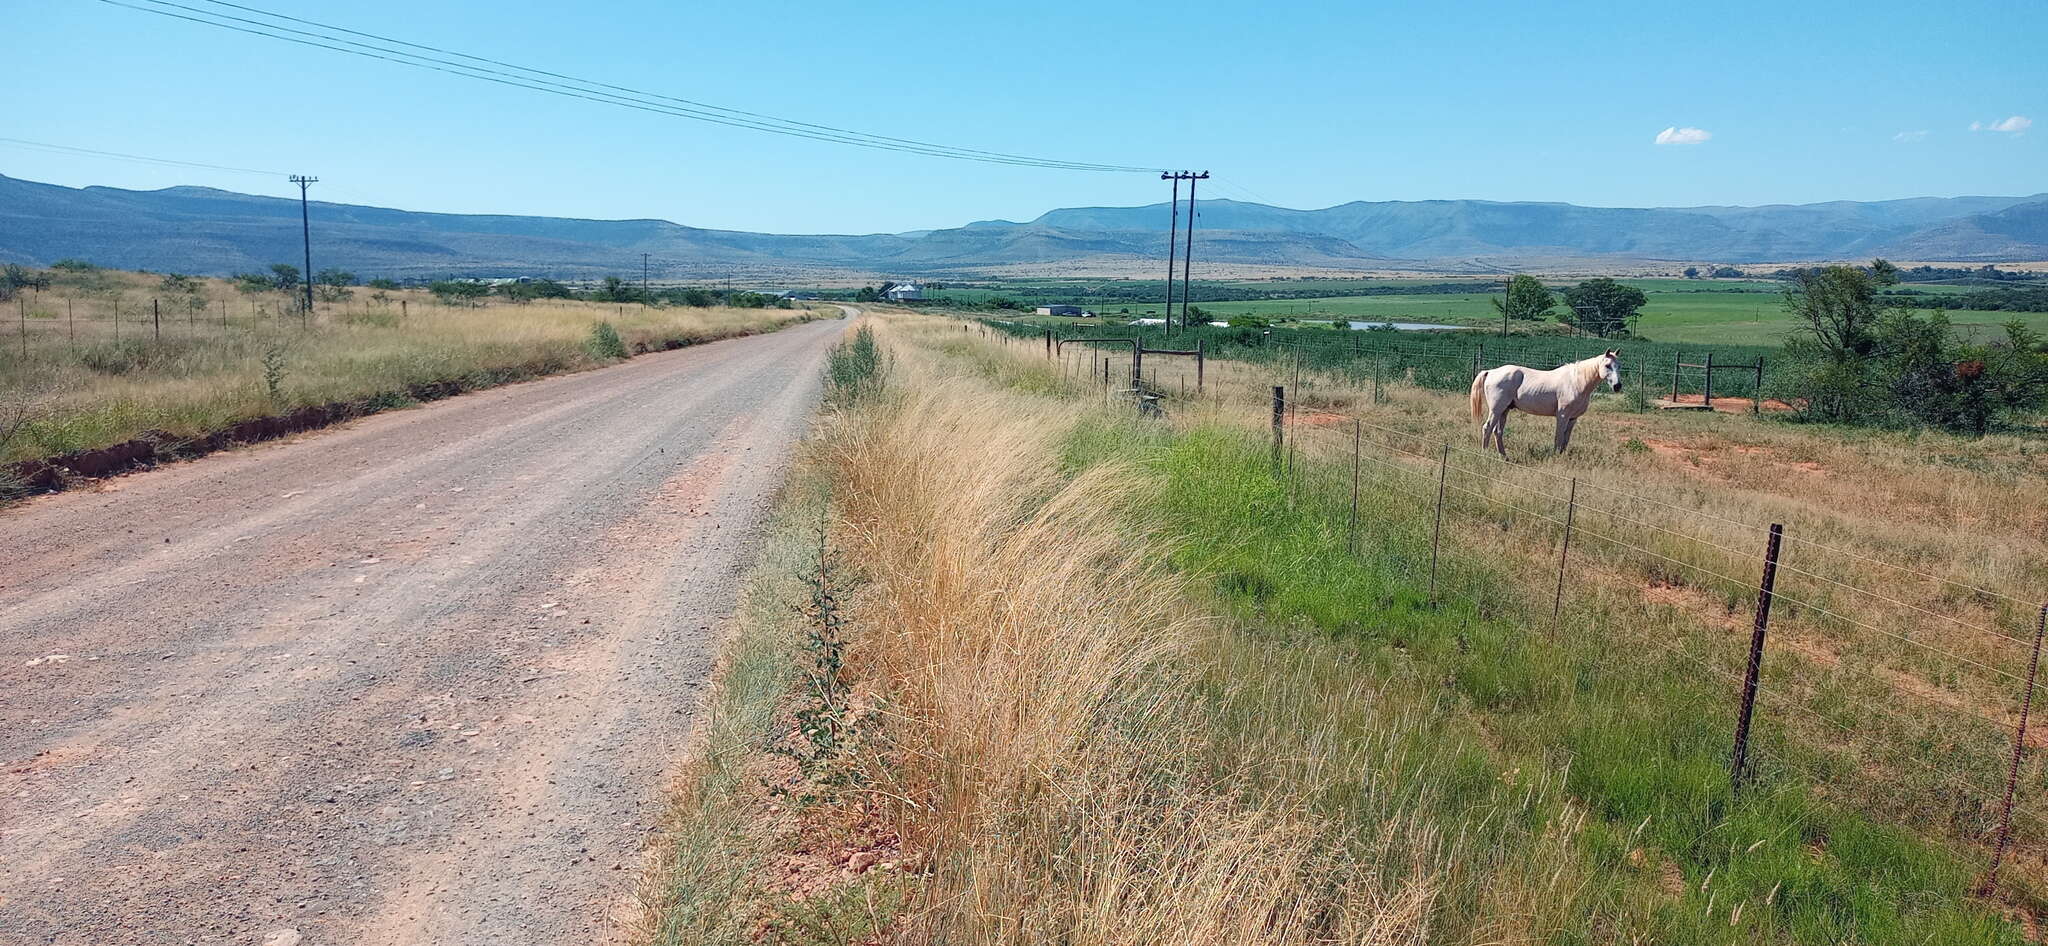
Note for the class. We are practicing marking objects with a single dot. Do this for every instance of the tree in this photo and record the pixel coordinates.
(867, 294)
(1692, 272)
(1527, 300)
(1603, 306)
(1837, 308)
(459, 291)
(334, 284)
(284, 277)
(383, 284)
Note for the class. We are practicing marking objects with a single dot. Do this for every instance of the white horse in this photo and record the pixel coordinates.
(1564, 392)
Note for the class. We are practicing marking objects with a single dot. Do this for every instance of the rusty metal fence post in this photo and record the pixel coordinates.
(1571, 507)
(2012, 772)
(1436, 535)
(1740, 761)
(1279, 422)
(156, 317)
(1357, 437)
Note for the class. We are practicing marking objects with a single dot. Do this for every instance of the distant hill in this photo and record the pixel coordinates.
(206, 231)
(2016, 232)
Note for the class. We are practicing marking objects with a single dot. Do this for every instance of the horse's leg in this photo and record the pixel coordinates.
(1500, 431)
(1564, 431)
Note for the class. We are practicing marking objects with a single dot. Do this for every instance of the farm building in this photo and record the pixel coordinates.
(904, 291)
(1062, 310)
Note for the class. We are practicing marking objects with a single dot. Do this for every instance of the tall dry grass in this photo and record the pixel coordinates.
(1899, 638)
(1088, 757)
(199, 376)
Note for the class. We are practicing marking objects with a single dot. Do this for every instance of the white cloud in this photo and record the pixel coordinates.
(2013, 125)
(1675, 135)
(1910, 136)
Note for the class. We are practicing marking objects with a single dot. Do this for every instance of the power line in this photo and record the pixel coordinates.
(544, 81)
(68, 149)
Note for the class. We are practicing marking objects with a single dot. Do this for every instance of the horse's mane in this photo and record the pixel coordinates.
(1589, 370)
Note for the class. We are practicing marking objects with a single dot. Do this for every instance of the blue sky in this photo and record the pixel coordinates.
(1297, 104)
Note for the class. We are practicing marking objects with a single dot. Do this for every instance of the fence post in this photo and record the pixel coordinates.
(1048, 343)
(1756, 401)
(1436, 535)
(1571, 508)
(223, 316)
(1357, 438)
(1279, 419)
(156, 316)
(1198, 366)
(70, 319)
(1740, 761)
(1707, 392)
(2012, 772)
(401, 310)
(1674, 377)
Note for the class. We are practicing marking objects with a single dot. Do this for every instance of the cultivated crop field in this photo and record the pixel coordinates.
(103, 356)
(1689, 311)
(1452, 699)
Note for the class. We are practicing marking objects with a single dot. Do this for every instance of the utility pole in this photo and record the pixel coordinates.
(1187, 257)
(306, 231)
(1505, 296)
(1172, 238)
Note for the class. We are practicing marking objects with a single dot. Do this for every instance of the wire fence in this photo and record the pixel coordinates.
(1448, 360)
(1890, 686)
(1899, 687)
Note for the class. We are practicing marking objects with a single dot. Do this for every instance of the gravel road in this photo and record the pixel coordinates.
(415, 680)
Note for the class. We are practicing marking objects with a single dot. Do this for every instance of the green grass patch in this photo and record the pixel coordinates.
(1506, 727)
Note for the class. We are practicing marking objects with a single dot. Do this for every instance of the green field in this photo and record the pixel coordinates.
(1683, 311)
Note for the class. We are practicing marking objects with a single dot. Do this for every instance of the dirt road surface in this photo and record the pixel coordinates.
(413, 681)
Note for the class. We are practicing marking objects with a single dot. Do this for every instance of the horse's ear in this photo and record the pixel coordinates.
(1611, 353)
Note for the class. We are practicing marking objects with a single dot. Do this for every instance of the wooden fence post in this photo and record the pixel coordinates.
(1740, 761)
(1707, 392)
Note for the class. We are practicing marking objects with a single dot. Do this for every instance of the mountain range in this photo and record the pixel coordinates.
(214, 232)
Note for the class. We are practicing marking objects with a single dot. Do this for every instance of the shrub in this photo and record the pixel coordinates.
(604, 343)
(855, 369)
(459, 291)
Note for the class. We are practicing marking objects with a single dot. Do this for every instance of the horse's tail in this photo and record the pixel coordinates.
(1478, 395)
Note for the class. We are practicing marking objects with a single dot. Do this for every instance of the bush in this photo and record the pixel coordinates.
(604, 343)
(459, 291)
(855, 369)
